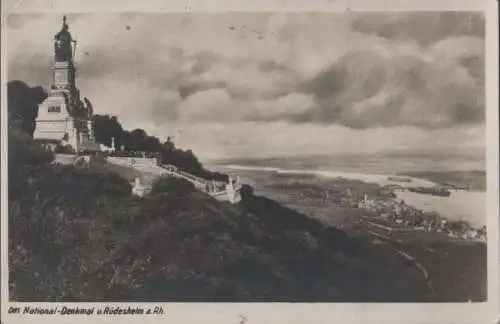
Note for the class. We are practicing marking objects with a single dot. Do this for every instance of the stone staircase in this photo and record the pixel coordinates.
(219, 190)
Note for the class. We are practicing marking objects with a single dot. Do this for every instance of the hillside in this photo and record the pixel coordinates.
(78, 235)
(100, 165)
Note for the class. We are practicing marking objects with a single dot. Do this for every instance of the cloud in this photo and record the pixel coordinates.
(365, 89)
(217, 105)
(254, 139)
(278, 74)
(424, 28)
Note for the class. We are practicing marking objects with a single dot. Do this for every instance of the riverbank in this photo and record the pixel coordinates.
(466, 206)
(461, 205)
(186, 246)
(97, 242)
(450, 265)
(474, 179)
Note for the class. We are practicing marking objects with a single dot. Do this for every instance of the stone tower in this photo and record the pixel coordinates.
(63, 118)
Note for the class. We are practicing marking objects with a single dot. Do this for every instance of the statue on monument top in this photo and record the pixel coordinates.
(63, 44)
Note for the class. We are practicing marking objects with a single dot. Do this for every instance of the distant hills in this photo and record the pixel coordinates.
(469, 153)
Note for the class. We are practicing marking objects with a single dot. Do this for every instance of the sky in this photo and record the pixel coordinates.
(275, 84)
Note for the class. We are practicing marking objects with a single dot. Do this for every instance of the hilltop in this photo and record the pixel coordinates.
(23, 110)
(79, 235)
(76, 233)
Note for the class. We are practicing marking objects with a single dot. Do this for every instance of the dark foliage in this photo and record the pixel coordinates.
(23, 105)
(64, 149)
(137, 140)
(246, 192)
(23, 151)
(105, 128)
(77, 234)
(174, 186)
(24, 155)
(23, 109)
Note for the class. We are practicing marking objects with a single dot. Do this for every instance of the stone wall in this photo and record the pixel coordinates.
(133, 161)
(149, 165)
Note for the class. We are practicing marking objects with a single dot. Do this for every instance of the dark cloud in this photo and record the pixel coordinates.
(364, 90)
(475, 66)
(270, 66)
(204, 61)
(418, 75)
(358, 69)
(425, 28)
(36, 73)
(190, 88)
(164, 108)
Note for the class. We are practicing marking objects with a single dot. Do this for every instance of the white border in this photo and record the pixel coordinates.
(279, 312)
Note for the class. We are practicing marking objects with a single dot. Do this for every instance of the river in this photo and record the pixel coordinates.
(469, 206)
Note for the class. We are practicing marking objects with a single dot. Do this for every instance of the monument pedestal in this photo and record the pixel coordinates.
(62, 117)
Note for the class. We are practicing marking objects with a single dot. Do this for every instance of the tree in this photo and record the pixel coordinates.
(105, 128)
(137, 140)
(22, 105)
(23, 109)
(171, 185)
(24, 155)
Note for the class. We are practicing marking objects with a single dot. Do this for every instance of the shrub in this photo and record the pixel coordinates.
(64, 149)
(171, 185)
(97, 160)
(246, 191)
(112, 184)
(24, 151)
(24, 155)
(22, 105)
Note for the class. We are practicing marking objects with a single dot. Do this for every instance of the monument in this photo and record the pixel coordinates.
(63, 118)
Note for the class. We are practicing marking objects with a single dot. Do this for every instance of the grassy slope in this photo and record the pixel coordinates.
(457, 270)
(78, 235)
(127, 173)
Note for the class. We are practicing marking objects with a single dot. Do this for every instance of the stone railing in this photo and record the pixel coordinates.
(132, 161)
(217, 189)
(199, 183)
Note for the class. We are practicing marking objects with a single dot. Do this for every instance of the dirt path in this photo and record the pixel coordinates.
(382, 236)
(404, 254)
(418, 265)
(391, 229)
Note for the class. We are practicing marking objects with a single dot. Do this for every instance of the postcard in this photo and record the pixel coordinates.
(236, 162)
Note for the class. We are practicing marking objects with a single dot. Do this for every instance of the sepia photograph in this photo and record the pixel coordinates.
(291, 157)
